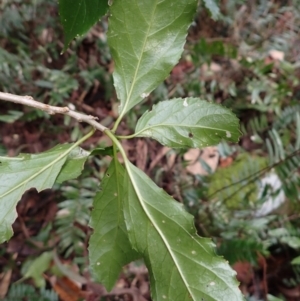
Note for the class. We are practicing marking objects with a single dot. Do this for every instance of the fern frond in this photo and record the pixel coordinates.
(275, 147)
(257, 124)
(20, 292)
(73, 215)
(247, 250)
(286, 117)
(242, 192)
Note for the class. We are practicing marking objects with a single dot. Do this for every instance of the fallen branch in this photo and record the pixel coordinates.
(29, 101)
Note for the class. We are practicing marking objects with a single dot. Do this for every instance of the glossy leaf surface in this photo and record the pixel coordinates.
(39, 171)
(182, 266)
(78, 16)
(109, 248)
(146, 40)
(188, 122)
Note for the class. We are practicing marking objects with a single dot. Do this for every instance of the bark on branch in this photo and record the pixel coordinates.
(29, 101)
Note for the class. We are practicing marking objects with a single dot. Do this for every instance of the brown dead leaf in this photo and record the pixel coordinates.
(244, 272)
(192, 156)
(4, 283)
(276, 55)
(179, 71)
(171, 158)
(225, 162)
(67, 289)
(244, 275)
(291, 293)
(209, 155)
(141, 156)
(161, 153)
(211, 68)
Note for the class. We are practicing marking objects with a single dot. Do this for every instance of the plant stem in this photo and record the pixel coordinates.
(29, 101)
(116, 142)
(127, 137)
(117, 123)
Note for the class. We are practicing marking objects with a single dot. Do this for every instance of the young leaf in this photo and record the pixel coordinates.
(77, 17)
(146, 40)
(40, 171)
(213, 7)
(188, 122)
(110, 248)
(182, 266)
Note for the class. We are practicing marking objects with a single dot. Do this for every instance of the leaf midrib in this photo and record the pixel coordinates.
(141, 199)
(157, 227)
(179, 126)
(119, 200)
(139, 63)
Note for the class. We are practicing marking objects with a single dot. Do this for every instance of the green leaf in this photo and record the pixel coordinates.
(296, 260)
(273, 298)
(182, 266)
(78, 16)
(188, 122)
(146, 40)
(292, 241)
(107, 151)
(11, 117)
(38, 170)
(109, 248)
(213, 7)
(35, 268)
(74, 164)
(60, 270)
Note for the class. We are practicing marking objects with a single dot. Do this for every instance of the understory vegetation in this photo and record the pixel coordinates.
(244, 196)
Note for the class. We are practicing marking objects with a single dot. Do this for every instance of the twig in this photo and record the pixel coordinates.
(29, 101)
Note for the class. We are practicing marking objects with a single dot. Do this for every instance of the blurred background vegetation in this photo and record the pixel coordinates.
(245, 196)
